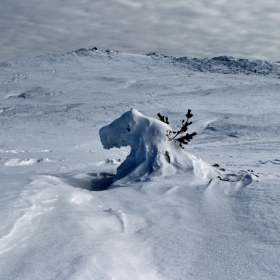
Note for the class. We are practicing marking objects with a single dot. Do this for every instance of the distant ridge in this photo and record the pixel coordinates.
(226, 65)
(221, 64)
(231, 65)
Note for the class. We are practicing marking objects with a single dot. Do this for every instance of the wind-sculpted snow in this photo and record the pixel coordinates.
(152, 154)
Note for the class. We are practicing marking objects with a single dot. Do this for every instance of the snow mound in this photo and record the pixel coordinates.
(151, 153)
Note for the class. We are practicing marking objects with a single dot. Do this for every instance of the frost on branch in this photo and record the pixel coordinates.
(152, 153)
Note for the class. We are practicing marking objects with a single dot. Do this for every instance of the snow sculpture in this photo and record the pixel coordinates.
(151, 153)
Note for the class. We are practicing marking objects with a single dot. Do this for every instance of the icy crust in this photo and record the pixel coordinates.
(151, 153)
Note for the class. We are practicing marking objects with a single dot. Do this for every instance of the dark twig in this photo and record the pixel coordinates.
(181, 139)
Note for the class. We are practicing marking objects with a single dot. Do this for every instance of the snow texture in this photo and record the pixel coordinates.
(70, 209)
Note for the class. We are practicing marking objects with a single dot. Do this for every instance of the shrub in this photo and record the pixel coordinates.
(181, 136)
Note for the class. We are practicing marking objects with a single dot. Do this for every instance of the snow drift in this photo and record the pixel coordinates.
(152, 154)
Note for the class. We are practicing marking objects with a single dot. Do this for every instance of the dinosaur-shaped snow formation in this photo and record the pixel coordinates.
(151, 153)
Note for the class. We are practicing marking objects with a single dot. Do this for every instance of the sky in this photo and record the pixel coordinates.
(193, 28)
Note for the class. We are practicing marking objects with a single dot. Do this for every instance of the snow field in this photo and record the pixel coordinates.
(59, 219)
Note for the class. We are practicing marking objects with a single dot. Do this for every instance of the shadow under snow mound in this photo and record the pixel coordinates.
(152, 154)
(89, 181)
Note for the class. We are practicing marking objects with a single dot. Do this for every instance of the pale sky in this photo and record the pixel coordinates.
(193, 28)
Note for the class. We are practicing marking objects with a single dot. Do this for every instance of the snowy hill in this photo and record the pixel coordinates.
(221, 64)
(215, 217)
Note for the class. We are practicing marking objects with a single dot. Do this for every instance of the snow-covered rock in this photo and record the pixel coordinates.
(151, 152)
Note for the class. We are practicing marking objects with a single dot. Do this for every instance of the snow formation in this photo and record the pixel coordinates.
(151, 152)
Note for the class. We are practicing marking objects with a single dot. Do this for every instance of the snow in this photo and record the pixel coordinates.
(70, 209)
(153, 153)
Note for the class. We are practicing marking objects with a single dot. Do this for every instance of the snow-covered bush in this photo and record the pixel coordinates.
(152, 152)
